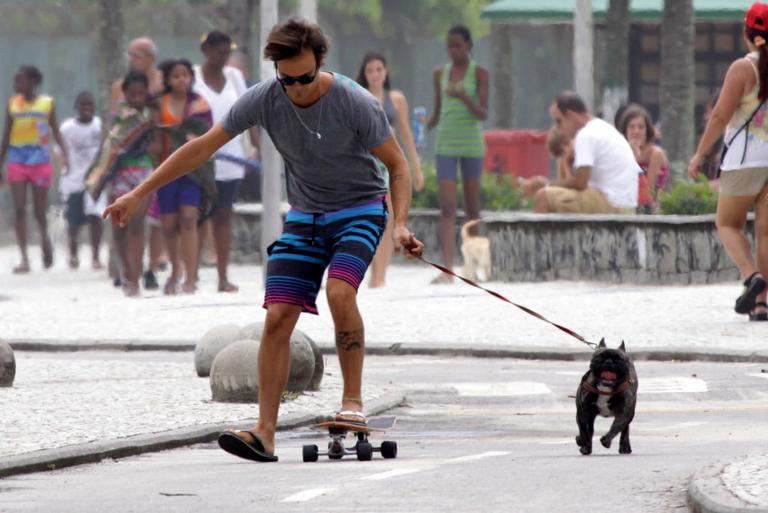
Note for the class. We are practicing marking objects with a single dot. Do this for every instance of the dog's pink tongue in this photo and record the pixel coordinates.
(608, 375)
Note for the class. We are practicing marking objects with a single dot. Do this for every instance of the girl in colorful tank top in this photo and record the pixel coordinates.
(636, 125)
(461, 106)
(30, 120)
(184, 115)
(740, 116)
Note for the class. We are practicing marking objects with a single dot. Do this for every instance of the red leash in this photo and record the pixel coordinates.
(521, 307)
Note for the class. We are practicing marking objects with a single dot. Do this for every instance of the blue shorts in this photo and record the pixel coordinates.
(227, 193)
(180, 192)
(344, 241)
(447, 167)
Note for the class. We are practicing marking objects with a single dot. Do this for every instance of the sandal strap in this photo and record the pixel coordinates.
(751, 277)
(351, 413)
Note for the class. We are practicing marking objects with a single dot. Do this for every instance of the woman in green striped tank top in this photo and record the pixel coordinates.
(461, 106)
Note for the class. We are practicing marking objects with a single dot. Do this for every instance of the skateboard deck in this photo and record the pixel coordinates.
(377, 424)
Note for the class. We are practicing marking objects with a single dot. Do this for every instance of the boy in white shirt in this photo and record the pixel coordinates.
(82, 135)
(605, 173)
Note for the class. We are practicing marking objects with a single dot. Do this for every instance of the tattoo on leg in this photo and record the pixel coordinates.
(350, 340)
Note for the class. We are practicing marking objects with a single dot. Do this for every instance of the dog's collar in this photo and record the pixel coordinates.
(618, 390)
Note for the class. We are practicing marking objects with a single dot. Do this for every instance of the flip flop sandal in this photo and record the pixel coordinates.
(753, 286)
(759, 316)
(233, 444)
(351, 417)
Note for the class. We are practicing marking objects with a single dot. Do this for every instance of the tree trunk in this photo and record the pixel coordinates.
(676, 88)
(503, 93)
(239, 16)
(584, 52)
(616, 86)
(111, 48)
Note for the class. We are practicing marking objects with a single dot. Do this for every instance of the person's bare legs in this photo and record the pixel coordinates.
(207, 245)
(761, 241)
(222, 236)
(170, 224)
(472, 202)
(40, 204)
(540, 201)
(130, 245)
(350, 340)
(383, 254)
(189, 245)
(73, 231)
(731, 218)
(19, 193)
(447, 200)
(95, 228)
(274, 368)
(158, 253)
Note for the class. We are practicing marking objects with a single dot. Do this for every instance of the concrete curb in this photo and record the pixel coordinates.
(93, 452)
(524, 353)
(708, 494)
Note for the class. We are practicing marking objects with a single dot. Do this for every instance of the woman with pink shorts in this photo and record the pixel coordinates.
(30, 117)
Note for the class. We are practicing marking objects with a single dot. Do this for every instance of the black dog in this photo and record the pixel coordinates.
(608, 389)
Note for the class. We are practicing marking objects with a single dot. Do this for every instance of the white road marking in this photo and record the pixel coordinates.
(672, 385)
(471, 457)
(307, 495)
(763, 375)
(680, 425)
(390, 473)
(511, 388)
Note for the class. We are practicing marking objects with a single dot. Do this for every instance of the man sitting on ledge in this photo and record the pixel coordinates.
(605, 170)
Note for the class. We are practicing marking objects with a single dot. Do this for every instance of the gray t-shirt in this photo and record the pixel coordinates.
(322, 175)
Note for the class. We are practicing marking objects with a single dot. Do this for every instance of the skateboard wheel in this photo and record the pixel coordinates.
(389, 449)
(309, 453)
(364, 451)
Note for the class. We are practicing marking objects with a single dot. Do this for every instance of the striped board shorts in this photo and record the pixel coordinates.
(343, 241)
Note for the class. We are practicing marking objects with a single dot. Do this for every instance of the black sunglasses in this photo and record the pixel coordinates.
(288, 80)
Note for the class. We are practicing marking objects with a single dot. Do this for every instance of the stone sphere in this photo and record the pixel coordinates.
(214, 340)
(7, 365)
(317, 374)
(251, 331)
(254, 330)
(235, 374)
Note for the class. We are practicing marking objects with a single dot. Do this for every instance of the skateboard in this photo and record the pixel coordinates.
(364, 450)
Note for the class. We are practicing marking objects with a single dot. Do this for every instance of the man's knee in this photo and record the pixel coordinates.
(761, 226)
(340, 294)
(280, 320)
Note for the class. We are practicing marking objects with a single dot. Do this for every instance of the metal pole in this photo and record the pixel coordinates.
(308, 10)
(583, 52)
(271, 163)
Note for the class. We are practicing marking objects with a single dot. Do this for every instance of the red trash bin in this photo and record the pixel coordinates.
(520, 153)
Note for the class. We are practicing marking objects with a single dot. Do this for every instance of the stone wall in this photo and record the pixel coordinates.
(536, 247)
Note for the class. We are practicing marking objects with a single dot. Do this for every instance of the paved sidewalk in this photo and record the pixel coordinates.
(61, 307)
(737, 486)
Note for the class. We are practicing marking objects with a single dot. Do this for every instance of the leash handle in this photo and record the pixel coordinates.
(525, 309)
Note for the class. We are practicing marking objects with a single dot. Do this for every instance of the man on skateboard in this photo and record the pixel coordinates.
(330, 132)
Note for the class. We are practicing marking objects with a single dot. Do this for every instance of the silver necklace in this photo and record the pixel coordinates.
(319, 118)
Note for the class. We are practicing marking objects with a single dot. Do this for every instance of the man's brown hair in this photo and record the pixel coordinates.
(289, 38)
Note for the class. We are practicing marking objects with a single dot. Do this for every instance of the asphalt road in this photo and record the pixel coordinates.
(481, 435)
